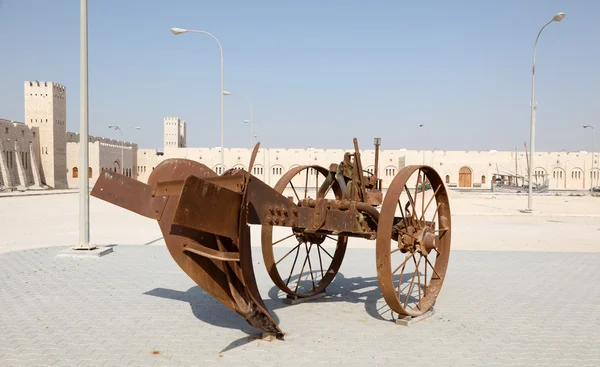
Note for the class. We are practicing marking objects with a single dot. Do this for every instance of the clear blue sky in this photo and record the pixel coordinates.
(318, 72)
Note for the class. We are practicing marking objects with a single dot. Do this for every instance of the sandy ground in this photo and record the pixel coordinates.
(480, 221)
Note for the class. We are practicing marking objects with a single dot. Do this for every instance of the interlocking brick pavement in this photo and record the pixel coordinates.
(135, 307)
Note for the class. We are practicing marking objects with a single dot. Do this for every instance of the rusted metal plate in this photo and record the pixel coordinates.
(129, 194)
(334, 220)
(233, 182)
(230, 282)
(269, 207)
(208, 207)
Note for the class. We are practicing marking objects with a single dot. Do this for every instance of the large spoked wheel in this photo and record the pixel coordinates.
(413, 240)
(302, 264)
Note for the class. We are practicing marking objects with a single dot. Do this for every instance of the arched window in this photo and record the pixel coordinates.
(90, 172)
(482, 179)
(277, 170)
(75, 172)
(257, 170)
(218, 169)
(447, 178)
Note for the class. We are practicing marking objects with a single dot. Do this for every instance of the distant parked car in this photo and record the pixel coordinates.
(595, 189)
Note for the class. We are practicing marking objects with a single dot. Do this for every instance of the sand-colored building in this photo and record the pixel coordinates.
(464, 169)
(40, 153)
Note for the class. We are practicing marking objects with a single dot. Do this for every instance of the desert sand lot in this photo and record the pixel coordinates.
(480, 221)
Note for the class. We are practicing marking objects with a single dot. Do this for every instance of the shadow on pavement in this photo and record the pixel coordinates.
(342, 289)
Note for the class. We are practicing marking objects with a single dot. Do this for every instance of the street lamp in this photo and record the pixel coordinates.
(122, 142)
(423, 163)
(178, 31)
(245, 121)
(84, 181)
(557, 18)
(593, 150)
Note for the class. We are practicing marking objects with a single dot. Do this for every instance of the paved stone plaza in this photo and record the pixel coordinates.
(136, 307)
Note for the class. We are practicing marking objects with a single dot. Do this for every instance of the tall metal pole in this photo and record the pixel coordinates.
(593, 151)
(251, 108)
(84, 183)
(177, 31)
(377, 142)
(558, 17)
(222, 109)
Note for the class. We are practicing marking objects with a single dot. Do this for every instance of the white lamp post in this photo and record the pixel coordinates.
(593, 151)
(122, 142)
(246, 121)
(84, 181)
(557, 18)
(178, 31)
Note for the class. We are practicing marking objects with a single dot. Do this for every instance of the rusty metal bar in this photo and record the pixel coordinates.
(129, 194)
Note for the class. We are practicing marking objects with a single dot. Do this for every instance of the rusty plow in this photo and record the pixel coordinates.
(204, 220)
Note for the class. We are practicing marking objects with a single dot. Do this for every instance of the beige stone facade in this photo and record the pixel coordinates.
(46, 109)
(174, 133)
(41, 152)
(563, 170)
(104, 154)
(20, 157)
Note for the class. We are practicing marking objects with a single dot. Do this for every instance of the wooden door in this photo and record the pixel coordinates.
(464, 177)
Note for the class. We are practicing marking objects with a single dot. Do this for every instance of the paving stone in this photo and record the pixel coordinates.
(494, 308)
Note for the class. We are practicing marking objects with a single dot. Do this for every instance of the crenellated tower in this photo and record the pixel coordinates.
(46, 109)
(175, 132)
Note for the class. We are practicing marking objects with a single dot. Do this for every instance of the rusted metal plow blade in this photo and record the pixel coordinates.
(202, 217)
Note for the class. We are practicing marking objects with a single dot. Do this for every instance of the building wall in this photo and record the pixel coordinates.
(45, 108)
(271, 164)
(103, 154)
(18, 145)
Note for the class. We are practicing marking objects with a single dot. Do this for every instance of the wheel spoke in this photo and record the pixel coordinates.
(306, 183)
(425, 287)
(436, 211)
(401, 274)
(402, 212)
(317, 186)
(412, 282)
(320, 262)
(293, 188)
(331, 238)
(403, 263)
(419, 279)
(422, 197)
(432, 268)
(301, 272)
(286, 255)
(325, 251)
(283, 239)
(309, 264)
(430, 200)
(417, 188)
(413, 213)
(293, 265)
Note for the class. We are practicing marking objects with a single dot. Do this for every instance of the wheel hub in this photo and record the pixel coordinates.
(314, 238)
(417, 240)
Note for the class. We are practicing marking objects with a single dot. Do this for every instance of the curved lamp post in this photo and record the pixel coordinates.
(557, 18)
(593, 150)
(122, 142)
(245, 121)
(178, 31)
